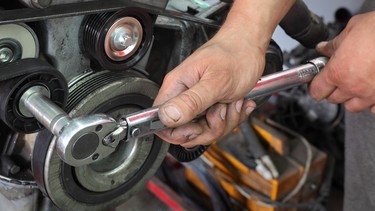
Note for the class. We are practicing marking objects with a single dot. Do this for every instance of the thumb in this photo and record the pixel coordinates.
(187, 105)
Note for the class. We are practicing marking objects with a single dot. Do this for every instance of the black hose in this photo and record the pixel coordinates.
(304, 26)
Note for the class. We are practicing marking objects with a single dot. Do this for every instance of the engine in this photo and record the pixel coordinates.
(70, 72)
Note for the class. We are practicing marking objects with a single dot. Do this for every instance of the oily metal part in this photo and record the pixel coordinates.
(21, 146)
(92, 7)
(113, 180)
(61, 42)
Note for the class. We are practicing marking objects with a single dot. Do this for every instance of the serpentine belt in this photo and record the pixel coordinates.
(21, 67)
(92, 7)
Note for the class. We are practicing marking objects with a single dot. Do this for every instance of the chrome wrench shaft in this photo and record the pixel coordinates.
(286, 79)
(147, 121)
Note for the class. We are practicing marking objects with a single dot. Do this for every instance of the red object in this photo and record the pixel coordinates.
(164, 196)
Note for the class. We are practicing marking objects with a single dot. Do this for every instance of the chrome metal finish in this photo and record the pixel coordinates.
(46, 112)
(147, 121)
(143, 123)
(287, 79)
(72, 134)
(113, 138)
(6, 54)
(123, 38)
(69, 141)
(131, 165)
(33, 90)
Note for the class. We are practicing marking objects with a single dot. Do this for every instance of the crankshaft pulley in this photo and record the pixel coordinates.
(106, 183)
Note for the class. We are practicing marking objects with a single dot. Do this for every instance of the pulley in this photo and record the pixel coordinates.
(17, 41)
(109, 182)
(15, 79)
(117, 41)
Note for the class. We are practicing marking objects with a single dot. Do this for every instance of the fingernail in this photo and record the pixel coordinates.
(172, 112)
(321, 44)
(249, 110)
(223, 113)
(192, 136)
(239, 105)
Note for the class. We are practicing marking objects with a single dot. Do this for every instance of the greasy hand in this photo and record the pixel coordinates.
(215, 77)
(349, 76)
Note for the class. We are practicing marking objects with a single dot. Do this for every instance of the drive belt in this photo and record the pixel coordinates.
(21, 67)
(92, 7)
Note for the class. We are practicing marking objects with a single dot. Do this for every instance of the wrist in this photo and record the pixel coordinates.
(253, 21)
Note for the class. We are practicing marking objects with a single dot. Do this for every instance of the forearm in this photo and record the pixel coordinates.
(254, 21)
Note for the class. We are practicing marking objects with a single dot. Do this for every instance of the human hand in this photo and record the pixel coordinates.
(216, 77)
(350, 73)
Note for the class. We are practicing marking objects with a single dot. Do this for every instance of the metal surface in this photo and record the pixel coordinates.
(6, 54)
(109, 182)
(73, 133)
(81, 141)
(142, 123)
(17, 41)
(20, 146)
(147, 121)
(287, 79)
(37, 3)
(100, 30)
(39, 90)
(92, 7)
(73, 144)
(16, 78)
(123, 38)
(46, 112)
(62, 45)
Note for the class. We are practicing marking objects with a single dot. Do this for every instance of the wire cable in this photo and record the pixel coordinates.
(303, 179)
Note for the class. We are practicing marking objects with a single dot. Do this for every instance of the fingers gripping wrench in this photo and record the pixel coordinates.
(84, 140)
(147, 121)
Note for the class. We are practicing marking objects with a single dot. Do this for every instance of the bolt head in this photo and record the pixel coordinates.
(135, 132)
(41, 3)
(122, 38)
(95, 156)
(6, 54)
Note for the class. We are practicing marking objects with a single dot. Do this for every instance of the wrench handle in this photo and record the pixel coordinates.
(283, 80)
(147, 121)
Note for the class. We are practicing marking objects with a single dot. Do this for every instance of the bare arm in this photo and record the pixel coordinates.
(219, 74)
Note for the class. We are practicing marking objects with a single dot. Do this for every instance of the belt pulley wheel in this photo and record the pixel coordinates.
(27, 73)
(118, 40)
(183, 154)
(113, 180)
(17, 41)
